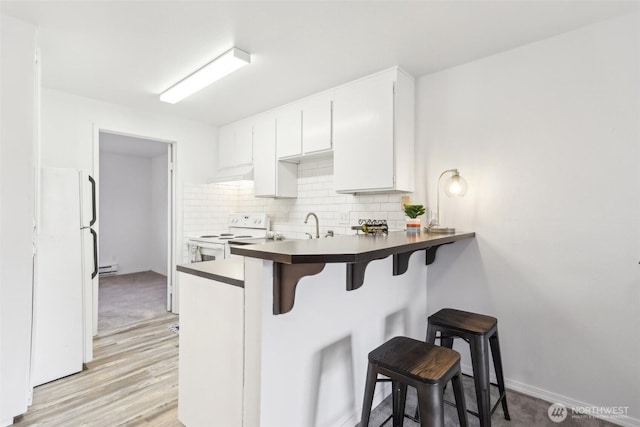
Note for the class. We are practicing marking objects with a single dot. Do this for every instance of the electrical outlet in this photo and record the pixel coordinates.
(344, 217)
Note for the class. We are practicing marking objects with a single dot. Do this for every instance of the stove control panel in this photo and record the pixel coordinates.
(257, 221)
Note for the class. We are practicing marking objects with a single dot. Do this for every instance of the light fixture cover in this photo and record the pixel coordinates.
(455, 186)
(223, 65)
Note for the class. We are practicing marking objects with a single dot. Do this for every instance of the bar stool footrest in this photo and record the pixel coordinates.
(390, 417)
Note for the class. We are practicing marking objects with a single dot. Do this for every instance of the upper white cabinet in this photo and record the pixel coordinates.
(272, 178)
(289, 131)
(226, 146)
(235, 144)
(373, 134)
(317, 123)
(367, 124)
(304, 127)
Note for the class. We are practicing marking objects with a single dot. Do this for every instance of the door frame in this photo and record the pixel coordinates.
(171, 211)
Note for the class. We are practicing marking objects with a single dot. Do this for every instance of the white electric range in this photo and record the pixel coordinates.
(215, 246)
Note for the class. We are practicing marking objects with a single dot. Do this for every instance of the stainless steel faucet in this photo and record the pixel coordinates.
(317, 223)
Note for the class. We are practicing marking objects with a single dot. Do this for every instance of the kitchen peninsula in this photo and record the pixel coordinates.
(289, 346)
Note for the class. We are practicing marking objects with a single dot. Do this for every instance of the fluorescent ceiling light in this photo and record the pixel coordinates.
(226, 63)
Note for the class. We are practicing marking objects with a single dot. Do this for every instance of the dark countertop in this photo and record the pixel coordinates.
(350, 249)
(230, 271)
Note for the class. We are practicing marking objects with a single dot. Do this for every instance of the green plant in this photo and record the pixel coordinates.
(413, 211)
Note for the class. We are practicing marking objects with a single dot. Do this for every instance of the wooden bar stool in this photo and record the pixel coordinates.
(481, 332)
(424, 366)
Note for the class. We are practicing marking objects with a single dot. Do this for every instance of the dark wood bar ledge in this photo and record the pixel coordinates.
(229, 271)
(295, 259)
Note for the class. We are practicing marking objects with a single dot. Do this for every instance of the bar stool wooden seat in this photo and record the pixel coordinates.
(481, 332)
(424, 366)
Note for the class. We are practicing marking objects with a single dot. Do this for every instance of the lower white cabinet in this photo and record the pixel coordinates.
(271, 178)
(210, 390)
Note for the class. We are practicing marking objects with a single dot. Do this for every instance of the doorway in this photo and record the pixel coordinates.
(135, 217)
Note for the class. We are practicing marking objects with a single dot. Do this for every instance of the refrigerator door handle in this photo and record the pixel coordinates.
(93, 200)
(95, 253)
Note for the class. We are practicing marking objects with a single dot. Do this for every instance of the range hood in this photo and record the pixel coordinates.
(238, 174)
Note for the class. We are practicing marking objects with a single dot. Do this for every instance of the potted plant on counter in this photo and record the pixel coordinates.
(413, 212)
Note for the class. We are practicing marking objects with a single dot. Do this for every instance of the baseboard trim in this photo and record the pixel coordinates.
(553, 398)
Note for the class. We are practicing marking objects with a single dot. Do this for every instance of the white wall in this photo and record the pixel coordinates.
(17, 138)
(159, 214)
(547, 136)
(68, 137)
(126, 232)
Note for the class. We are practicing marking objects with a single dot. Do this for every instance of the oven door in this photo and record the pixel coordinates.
(206, 251)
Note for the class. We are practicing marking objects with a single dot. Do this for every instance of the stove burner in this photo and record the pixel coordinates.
(226, 234)
(208, 236)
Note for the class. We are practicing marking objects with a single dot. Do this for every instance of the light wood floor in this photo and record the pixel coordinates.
(133, 380)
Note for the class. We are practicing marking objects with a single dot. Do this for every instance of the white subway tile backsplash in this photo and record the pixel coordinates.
(206, 207)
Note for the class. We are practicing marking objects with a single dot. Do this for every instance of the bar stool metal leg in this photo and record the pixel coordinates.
(431, 334)
(431, 405)
(458, 392)
(369, 388)
(497, 363)
(400, 396)
(480, 362)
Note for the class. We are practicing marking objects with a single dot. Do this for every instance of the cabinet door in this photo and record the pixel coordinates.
(363, 135)
(316, 124)
(264, 165)
(226, 146)
(289, 131)
(211, 352)
(244, 143)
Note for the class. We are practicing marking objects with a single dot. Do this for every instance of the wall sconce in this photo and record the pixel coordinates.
(455, 185)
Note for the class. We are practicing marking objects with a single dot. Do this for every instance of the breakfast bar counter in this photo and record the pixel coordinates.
(249, 357)
(349, 249)
(294, 259)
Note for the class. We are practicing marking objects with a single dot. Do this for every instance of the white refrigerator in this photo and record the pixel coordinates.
(66, 275)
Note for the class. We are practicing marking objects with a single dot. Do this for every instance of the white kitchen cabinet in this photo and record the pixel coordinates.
(373, 134)
(226, 146)
(289, 131)
(317, 123)
(304, 128)
(271, 177)
(244, 143)
(211, 352)
(235, 144)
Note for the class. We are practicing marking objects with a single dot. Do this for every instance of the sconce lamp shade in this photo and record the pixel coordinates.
(455, 185)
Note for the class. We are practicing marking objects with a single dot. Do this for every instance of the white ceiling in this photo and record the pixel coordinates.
(128, 52)
(130, 145)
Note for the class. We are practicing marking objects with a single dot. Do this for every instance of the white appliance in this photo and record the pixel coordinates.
(215, 246)
(66, 275)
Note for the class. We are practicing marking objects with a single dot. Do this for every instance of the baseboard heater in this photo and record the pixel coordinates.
(108, 270)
